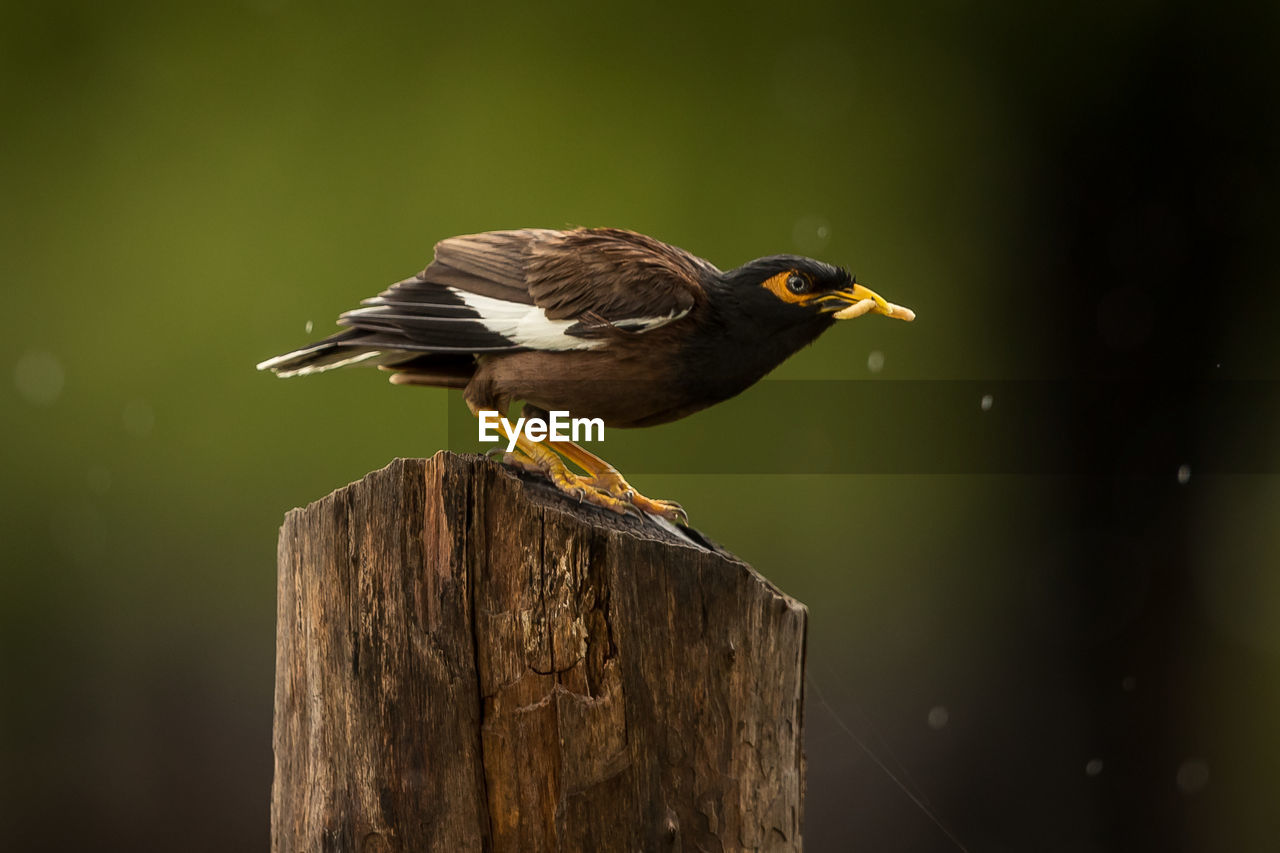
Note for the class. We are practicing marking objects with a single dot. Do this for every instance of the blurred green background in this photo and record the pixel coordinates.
(1071, 190)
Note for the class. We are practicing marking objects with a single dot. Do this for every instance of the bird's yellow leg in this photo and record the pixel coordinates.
(536, 457)
(604, 477)
(581, 488)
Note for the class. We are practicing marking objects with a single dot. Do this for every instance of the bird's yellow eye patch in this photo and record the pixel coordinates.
(791, 286)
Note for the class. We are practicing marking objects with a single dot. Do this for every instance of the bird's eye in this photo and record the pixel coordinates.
(797, 283)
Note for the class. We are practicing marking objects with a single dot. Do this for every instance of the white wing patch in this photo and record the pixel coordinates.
(529, 326)
(523, 325)
(526, 325)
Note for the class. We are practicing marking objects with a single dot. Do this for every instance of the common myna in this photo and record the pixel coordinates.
(599, 322)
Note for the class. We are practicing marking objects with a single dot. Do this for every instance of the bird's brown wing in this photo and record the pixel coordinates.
(599, 273)
(578, 283)
(613, 275)
(492, 264)
(503, 291)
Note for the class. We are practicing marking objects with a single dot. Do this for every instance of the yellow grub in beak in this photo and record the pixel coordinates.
(865, 300)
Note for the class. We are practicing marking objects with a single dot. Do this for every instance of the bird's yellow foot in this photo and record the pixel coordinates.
(602, 486)
(609, 481)
(581, 489)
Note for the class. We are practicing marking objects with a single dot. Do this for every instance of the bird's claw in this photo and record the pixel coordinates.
(670, 510)
(606, 489)
(620, 490)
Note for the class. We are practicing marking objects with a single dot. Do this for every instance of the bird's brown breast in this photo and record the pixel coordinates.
(627, 384)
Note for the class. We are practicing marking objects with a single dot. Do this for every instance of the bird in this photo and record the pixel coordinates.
(602, 323)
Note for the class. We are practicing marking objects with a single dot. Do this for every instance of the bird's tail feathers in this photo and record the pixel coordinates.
(329, 354)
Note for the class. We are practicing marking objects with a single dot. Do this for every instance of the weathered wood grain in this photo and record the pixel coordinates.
(466, 660)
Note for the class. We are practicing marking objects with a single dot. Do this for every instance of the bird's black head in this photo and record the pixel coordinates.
(782, 292)
(762, 312)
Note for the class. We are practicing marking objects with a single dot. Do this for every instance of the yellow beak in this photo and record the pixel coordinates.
(863, 300)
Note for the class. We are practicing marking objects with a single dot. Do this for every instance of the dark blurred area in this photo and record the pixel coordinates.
(1073, 198)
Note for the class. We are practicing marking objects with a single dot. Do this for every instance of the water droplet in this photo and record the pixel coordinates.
(99, 479)
(875, 361)
(1094, 767)
(39, 377)
(811, 234)
(138, 418)
(938, 717)
(987, 402)
(1193, 775)
(310, 326)
(1184, 474)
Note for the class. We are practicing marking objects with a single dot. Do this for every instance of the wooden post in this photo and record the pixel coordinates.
(468, 660)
